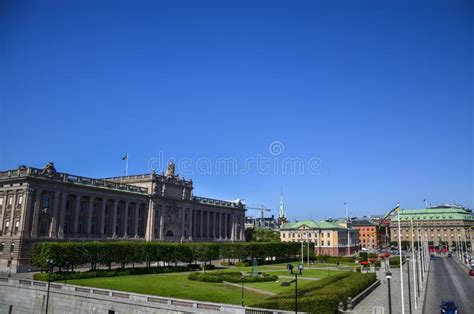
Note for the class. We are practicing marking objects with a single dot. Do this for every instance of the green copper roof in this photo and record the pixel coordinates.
(448, 213)
(311, 224)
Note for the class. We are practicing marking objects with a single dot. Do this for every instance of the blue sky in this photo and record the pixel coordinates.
(380, 94)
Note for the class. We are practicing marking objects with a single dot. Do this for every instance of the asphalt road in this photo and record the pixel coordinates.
(448, 280)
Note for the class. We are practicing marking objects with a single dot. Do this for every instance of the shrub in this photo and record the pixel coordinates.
(107, 273)
(395, 261)
(235, 277)
(322, 296)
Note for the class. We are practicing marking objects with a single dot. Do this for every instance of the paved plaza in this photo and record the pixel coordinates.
(377, 302)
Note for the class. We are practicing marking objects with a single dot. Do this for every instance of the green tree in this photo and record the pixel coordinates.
(263, 235)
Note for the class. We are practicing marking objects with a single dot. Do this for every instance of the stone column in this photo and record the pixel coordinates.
(102, 216)
(137, 218)
(36, 212)
(225, 227)
(219, 226)
(213, 225)
(125, 220)
(25, 213)
(162, 224)
(191, 222)
(12, 213)
(207, 225)
(54, 217)
(232, 227)
(242, 228)
(62, 215)
(150, 221)
(201, 220)
(114, 219)
(77, 208)
(90, 206)
(182, 223)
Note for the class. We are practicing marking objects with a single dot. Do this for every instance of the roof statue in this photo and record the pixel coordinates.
(49, 169)
(170, 171)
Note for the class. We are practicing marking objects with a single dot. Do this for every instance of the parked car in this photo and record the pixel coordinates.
(471, 272)
(433, 258)
(450, 254)
(448, 307)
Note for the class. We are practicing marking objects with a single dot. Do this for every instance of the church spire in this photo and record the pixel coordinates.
(281, 209)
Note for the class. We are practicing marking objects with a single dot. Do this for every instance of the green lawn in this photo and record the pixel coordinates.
(172, 285)
(276, 286)
(177, 285)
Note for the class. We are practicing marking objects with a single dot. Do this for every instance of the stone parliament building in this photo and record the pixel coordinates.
(46, 205)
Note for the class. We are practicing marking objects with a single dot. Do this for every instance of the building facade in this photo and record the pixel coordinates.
(329, 238)
(441, 225)
(368, 235)
(46, 205)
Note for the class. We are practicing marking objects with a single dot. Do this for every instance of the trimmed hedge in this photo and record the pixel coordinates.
(107, 273)
(234, 277)
(395, 261)
(322, 296)
(73, 254)
(331, 259)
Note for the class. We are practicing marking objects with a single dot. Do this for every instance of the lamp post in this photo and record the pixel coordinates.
(296, 293)
(409, 286)
(50, 263)
(388, 275)
(242, 281)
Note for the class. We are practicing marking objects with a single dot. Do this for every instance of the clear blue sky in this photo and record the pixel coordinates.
(380, 92)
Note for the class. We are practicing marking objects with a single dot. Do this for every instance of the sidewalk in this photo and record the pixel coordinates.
(377, 301)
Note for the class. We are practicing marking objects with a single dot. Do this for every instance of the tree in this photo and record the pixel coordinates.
(262, 235)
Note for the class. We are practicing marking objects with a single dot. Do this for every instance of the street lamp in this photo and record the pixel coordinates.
(50, 262)
(388, 275)
(242, 281)
(296, 293)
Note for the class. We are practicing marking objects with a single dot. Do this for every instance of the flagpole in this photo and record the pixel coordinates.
(401, 261)
(126, 166)
(420, 260)
(348, 232)
(413, 258)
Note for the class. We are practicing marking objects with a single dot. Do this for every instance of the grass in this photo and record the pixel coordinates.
(177, 285)
(172, 285)
(276, 287)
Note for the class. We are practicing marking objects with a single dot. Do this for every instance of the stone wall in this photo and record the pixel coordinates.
(30, 296)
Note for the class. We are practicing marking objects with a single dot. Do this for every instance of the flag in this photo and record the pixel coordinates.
(125, 157)
(389, 214)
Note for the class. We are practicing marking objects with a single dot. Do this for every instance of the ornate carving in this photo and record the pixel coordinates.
(49, 170)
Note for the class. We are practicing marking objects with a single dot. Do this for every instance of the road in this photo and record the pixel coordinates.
(448, 280)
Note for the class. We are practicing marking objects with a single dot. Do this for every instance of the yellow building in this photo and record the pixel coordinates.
(329, 238)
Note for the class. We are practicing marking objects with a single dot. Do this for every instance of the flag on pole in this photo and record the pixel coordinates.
(125, 157)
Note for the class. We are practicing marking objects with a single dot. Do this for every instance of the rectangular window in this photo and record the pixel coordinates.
(10, 200)
(329, 235)
(20, 199)
(1, 201)
(46, 202)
